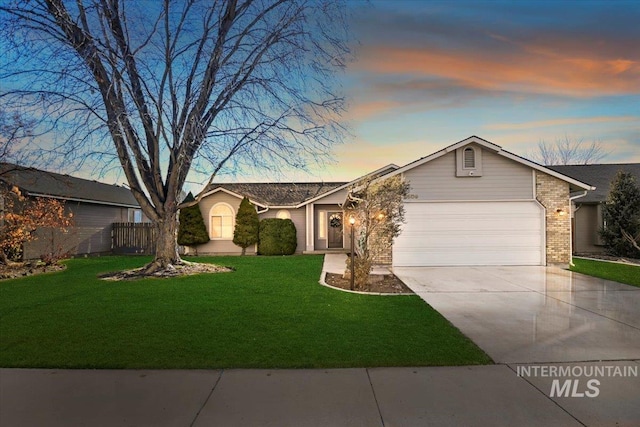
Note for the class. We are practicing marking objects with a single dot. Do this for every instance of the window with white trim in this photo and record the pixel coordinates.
(221, 219)
(134, 215)
(322, 225)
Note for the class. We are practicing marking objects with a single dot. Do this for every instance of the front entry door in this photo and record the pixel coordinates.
(335, 230)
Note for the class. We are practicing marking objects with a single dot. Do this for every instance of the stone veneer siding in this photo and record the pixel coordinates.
(553, 194)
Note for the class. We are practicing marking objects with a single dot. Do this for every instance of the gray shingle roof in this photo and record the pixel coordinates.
(279, 194)
(40, 182)
(599, 176)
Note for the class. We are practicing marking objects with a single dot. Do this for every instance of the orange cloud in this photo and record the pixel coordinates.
(364, 110)
(531, 69)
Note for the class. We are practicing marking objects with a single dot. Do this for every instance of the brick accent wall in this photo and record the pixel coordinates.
(553, 194)
(383, 257)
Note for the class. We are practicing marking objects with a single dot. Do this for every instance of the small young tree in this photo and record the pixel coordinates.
(22, 217)
(191, 230)
(621, 215)
(378, 210)
(50, 217)
(247, 225)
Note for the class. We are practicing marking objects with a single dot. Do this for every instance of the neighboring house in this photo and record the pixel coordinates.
(473, 204)
(95, 206)
(588, 209)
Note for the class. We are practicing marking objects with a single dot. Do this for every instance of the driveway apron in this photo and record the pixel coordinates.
(534, 314)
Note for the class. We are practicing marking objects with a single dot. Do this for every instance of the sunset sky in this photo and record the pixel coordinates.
(431, 73)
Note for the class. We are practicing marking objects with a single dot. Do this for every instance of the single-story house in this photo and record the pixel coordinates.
(314, 207)
(95, 206)
(472, 203)
(587, 210)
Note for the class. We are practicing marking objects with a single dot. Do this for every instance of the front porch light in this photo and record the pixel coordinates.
(352, 221)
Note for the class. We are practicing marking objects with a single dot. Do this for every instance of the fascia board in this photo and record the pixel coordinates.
(231, 193)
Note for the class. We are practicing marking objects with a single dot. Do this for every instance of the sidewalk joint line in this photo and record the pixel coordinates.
(207, 399)
(545, 395)
(375, 398)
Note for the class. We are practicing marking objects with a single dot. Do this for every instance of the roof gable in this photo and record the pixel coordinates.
(600, 176)
(271, 194)
(38, 182)
(575, 184)
(291, 194)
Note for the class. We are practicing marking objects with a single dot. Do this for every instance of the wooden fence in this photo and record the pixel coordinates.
(133, 238)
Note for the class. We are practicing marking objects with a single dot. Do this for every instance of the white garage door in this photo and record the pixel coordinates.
(471, 233)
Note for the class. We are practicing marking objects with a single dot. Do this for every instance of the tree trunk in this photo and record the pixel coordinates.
(166, 245)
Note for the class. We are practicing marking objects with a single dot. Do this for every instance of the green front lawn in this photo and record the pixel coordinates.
(623, 273)
(270, 313)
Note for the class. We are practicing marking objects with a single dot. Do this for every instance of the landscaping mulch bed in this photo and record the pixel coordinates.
(24, 269)
(185, 269)
(610, 258)
(377, 283)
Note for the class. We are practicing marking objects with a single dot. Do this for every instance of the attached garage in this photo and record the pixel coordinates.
(471, 233)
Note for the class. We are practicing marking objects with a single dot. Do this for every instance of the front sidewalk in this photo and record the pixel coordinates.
(465, 396)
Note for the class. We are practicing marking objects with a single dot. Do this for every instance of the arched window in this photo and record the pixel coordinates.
(469, 158)
(283, 214)
(221, 218)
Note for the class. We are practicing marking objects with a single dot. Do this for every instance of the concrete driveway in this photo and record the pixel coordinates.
(534, 314)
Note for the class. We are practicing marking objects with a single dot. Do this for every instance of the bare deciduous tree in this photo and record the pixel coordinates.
(164, 86)
(568, 151)
(15, 131)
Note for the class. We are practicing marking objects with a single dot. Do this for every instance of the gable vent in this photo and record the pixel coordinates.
(469, 158)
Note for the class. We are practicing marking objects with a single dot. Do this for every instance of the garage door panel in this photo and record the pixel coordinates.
(483, 233)
(442, 258)
(487, 244)
(472, 239)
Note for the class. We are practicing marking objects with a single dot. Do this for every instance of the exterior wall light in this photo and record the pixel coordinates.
(561, 212)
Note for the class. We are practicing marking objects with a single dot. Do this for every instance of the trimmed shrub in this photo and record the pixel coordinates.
(191, 230)
(247, 225)
(277, 237)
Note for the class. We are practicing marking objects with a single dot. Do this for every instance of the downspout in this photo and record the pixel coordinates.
(571, 213)
(259, 212)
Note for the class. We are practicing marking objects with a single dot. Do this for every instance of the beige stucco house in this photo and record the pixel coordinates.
(314, 207)
(472, 203)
